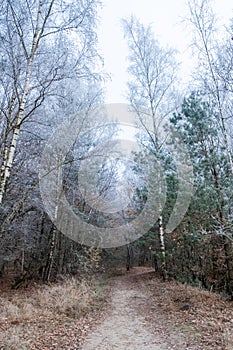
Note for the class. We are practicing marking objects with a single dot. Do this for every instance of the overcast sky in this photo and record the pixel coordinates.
(165, 16)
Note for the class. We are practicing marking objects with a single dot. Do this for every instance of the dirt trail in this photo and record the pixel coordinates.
(125, 326)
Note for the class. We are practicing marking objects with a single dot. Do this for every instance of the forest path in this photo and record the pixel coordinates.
(136, 310)
(126, 325)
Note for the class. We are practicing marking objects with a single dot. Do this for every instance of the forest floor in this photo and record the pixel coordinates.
(146, 313)
(133, 310)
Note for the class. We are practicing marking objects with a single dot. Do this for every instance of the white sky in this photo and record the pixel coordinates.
(165, 17)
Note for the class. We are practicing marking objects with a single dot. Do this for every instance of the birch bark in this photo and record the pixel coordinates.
(9, 152)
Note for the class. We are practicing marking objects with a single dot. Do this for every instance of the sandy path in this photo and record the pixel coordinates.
(125, 326)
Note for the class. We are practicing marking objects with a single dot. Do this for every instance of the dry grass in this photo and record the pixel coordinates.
(72, 297)
(70, 294)
(26, 315)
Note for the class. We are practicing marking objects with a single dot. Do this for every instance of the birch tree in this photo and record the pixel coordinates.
(153, 72)
(36, 38)
(214, 68)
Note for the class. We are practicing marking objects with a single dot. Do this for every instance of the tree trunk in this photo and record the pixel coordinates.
(129, 258)
(61, 252)
(162, 248)
(50, 260)
(54, 230)
(9, 153)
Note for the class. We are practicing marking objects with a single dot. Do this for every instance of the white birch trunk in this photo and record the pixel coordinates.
(10, 153)
(162, 247)
(7, 164)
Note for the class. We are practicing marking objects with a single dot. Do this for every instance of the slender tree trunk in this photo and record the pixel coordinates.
(54, 230)
(162, 248)
(22, 255)
(128, 258)
(4, 160)
(9, 153)
(51, 255)
(61, 252)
